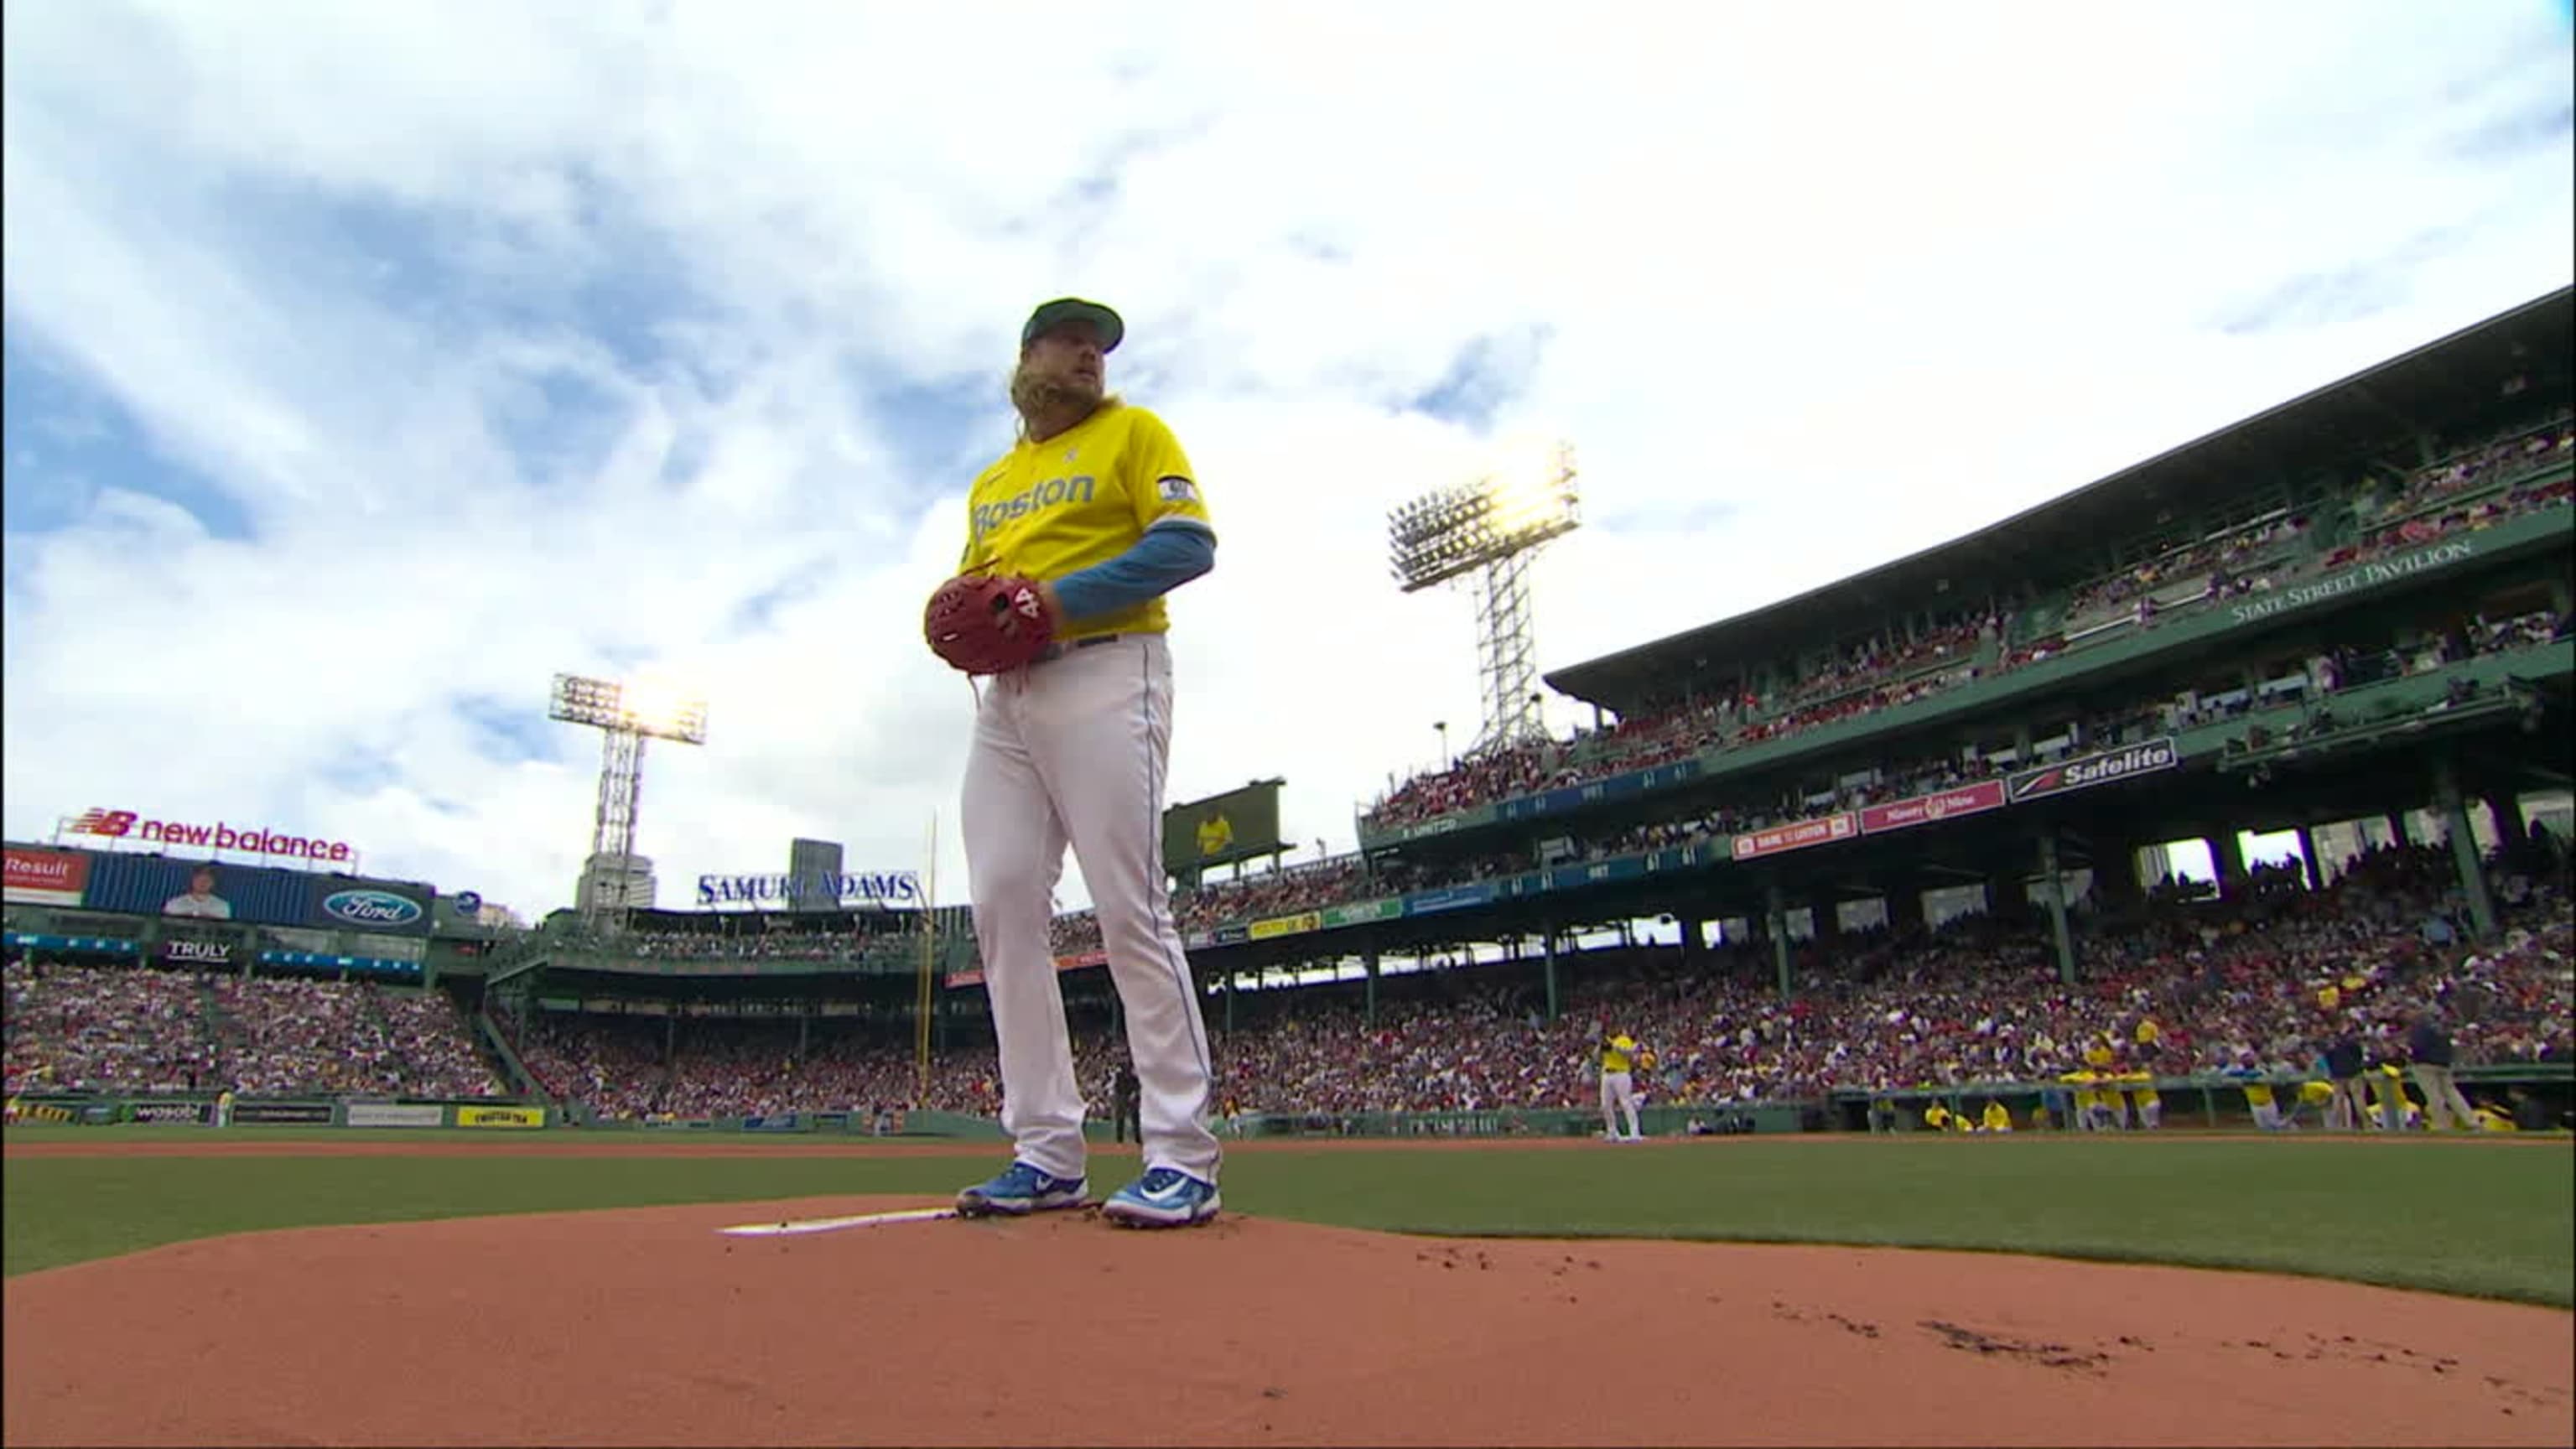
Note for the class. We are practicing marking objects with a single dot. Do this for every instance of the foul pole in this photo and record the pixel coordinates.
(929, 955)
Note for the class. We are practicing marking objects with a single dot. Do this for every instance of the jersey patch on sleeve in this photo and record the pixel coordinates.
(1176, 490)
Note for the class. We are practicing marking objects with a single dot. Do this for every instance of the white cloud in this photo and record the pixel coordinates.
(559, 338)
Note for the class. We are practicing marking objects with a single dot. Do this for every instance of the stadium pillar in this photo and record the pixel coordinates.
(1551, 975)
(2464, 848)
(2228, 854)
(1775, 924)
(804, 1033)
(2308, 860)
(2115, 873)
(2510, 821)
(1828, 912)
(2052, 884)
(1368, 992)
(2398, 834)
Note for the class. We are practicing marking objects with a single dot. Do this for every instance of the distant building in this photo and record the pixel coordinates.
(616, 881)
(809, 863)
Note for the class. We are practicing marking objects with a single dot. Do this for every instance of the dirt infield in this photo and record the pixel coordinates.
(649, 1326)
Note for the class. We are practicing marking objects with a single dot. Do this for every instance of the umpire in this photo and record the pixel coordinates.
(1123, 1097)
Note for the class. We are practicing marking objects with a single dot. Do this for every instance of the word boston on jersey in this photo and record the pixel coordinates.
(820, 892)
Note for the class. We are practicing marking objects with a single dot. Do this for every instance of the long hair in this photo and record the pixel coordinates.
(1031, 395)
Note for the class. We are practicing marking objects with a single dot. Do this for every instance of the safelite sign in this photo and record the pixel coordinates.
(2082, 774)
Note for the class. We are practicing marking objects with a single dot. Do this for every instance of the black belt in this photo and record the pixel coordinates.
(1054, 652)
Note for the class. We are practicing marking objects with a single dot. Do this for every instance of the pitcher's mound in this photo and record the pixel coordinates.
(651, 1327)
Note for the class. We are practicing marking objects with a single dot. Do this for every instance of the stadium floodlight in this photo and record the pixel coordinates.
(645, 707)
(1495, 524)
(625, 714)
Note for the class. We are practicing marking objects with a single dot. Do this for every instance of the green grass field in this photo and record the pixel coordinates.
(2484, 1219)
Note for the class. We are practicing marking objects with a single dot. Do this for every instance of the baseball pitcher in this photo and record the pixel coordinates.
(1073, 538)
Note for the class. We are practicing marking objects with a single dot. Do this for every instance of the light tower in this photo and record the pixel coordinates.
(625, 714)
(1496, 523)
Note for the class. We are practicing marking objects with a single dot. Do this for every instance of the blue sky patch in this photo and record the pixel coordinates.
(68, 441)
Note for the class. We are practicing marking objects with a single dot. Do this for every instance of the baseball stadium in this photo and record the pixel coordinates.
(1957, 1102)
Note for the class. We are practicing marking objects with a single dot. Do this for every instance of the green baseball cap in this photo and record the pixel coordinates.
(1073, 309)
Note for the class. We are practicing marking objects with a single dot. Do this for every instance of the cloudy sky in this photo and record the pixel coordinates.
(366, 365)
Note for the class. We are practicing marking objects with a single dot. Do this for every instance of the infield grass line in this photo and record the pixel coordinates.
(2446, 1217)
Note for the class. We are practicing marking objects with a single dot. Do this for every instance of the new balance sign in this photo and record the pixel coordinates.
(2091, 770)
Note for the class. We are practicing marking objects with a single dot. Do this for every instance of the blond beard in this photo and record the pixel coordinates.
(1046, 397)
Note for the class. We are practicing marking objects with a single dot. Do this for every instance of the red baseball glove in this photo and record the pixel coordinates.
(983, 624)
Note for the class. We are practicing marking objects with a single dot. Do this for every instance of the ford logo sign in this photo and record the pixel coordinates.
(371, 908)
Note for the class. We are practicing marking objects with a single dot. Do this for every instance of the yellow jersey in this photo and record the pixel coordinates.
(1997, 1118)
(2258, 1094)
(1080, 498)
(1619, 1054)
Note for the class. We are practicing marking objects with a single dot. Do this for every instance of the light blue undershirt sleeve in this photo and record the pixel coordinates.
(1168, 556)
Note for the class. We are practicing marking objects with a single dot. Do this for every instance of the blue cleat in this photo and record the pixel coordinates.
(1019, 1190)
(1165, 1197)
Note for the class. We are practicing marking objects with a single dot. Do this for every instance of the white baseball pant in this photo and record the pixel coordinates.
(1073, 751)
(1618, 1090)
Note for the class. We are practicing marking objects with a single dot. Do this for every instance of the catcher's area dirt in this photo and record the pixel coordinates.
(648, 1327)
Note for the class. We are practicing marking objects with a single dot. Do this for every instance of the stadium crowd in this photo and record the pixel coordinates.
(1981, 643)
(2267, 976)
(105, 1028)
(2270, 976)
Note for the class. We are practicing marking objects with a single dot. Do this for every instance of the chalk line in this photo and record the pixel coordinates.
(833, 1225)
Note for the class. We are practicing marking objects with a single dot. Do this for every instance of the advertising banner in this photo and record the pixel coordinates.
(2145, 758)
(887, 888)
(1449, 898)
(197, 953)
(94, 945)
(783, 1122)
(2354, 580)
(153, 885)
(1361, 913)
(1298, 924)
(385, 907)
(512, 1117)
(1797, 835)
(222, 835)
(195, 1114)
(1925, 809)
(305, 1114)
(45, 877)
(1232, 935)
(1594, 792)
(394, 1114)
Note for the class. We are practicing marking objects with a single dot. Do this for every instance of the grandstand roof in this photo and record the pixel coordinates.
(2380, 407)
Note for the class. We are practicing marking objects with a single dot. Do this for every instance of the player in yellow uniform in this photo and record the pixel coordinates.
(2151, 1104)
(2110, 1104)
(1998, 1118)
(1619, 1087)
(2262, 1103)
(1098, 504)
